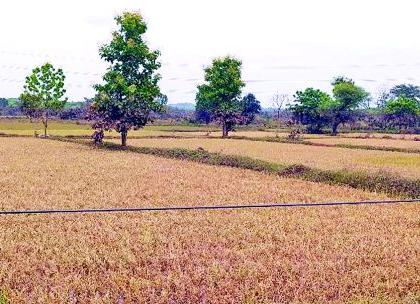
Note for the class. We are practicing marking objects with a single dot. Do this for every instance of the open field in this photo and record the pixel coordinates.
(383, 135)
(285, 133)
(375, 142)
(23, 126)
(326, 158)
(335, 255)
(330, 254)
(60, 175)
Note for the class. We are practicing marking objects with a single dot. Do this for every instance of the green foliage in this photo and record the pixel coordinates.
(347, 98)
(316, 109)
(310, 107)
(130, 92)
(402, 106)
(43, 93)
(220, 95)
(74, 104)
(44, 89)
(13, 102)
(403, 112)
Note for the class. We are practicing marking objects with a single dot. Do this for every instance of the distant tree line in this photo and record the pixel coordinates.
(397, 109)
(129, 96)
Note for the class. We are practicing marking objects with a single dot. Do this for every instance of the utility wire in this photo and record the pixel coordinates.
(202, 208)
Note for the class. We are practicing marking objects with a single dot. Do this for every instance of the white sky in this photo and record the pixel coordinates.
(285, 45)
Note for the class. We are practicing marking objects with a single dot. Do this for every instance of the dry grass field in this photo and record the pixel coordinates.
(383, 136)
(363, 254)
(375, 142)
(285, 133)
(63, 175)
(327, 158)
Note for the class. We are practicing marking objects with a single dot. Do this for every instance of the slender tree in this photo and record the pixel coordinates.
(130, 91)
(43, 93)
(279, 100)
(220, 95)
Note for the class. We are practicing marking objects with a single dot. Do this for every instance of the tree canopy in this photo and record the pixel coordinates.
(403, 111)
(309, 108)
(43, 93)
(130, 90)
(347, 98)
(250, 106)
(316, 109)
(220, 94)
(407, 90)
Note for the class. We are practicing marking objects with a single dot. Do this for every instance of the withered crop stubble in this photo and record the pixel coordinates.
(299, 255)
(37, 173)
(343, 254)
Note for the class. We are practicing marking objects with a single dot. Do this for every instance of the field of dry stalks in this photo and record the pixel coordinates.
(375, 142)
(299, 255)
(327, 158)
(36, 173)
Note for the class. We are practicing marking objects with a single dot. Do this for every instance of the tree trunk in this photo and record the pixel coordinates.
(124, 138)
(335, 127)
(225, 130)
(45, 123)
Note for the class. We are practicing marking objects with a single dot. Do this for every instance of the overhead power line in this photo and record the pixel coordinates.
(203, 208)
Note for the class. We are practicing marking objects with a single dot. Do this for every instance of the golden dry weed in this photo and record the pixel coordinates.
(326, 158)
(299, 255)
(355, 135)
(302, 255)
(375, 142)
(391, 136)
(37, 173)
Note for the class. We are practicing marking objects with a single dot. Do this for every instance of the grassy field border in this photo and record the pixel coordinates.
(309, 143)
(236, 137)
(391, 185)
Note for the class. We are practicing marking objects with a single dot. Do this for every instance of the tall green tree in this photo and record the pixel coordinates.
(309, 108)
(130, 90)
(43, 93)
(220, 94)
(347, 98)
